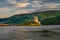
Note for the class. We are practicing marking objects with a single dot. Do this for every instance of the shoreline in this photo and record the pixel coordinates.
(24, 25)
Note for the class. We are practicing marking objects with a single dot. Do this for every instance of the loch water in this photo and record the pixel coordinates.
(30, 33)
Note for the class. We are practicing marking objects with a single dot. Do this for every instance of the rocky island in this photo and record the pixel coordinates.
(34, 22)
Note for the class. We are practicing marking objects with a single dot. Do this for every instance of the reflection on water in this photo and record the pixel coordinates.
(17, 34)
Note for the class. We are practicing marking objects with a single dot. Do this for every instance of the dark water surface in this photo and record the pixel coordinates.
(30, 33)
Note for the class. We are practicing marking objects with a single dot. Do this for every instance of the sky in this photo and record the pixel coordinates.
(12, 7)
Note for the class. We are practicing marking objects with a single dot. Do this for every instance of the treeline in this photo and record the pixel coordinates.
(51, 21)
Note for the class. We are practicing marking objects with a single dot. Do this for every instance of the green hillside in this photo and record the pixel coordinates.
(46, 18)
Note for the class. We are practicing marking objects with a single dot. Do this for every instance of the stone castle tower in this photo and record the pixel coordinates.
(36, 20)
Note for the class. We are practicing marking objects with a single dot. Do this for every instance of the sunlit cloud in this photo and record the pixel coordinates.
(24, 4)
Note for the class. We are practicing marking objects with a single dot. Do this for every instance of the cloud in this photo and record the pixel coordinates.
(23, 11)
(12, 1)
(5, 16)
(13, 7)
(36, 4)
(55, 1)
(18, 3)
(51, 5)
(23, 4)
(5, 9)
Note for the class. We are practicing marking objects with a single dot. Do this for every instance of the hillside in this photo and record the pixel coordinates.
(46, 18)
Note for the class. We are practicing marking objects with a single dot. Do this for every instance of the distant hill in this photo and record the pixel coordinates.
(3, 20)
(46, 18)
(51, 21)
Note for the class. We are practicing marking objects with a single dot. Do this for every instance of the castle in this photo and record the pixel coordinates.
(36, 20)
